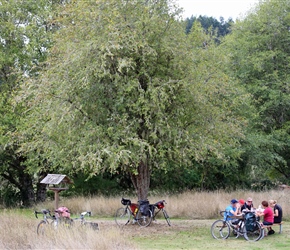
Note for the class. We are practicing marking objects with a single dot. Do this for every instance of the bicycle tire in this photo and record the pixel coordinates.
(122, 216)
(220, 229)
(42, 227)
(254, 235)
(166, 216)
(144, 220)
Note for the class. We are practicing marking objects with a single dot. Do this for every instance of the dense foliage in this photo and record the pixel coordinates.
(260, 56)
(120, 97)
(211, 25)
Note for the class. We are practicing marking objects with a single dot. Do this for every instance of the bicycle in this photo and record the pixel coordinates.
(123, 215)
(160, 206)
(221, 229)
(49, 221)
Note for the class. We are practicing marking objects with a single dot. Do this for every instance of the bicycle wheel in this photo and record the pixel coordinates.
(122, 216)
(255, 234)
(166, 216)
(42, 227)
(220, 229)
(144, 220)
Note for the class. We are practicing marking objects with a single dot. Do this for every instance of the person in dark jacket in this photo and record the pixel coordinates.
(278, 213)
(248, 205)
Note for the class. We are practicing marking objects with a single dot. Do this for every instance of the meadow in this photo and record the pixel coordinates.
(192, 214)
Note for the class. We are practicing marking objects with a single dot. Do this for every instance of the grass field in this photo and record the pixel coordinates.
(195, 234)
(192, 215)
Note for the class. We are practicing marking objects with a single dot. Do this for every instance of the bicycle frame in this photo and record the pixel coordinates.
(45, 221)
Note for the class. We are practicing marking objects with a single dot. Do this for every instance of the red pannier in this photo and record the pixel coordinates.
(160, 205)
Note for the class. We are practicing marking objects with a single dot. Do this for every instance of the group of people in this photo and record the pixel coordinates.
(270, 211)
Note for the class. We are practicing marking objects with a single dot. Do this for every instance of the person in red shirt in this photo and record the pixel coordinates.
(268, 214)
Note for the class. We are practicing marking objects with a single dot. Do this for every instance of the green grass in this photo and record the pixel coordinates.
(196, 235)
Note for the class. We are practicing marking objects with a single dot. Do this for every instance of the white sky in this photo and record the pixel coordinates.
(216, 8)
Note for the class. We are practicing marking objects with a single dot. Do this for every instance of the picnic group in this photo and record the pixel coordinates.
(270, 211)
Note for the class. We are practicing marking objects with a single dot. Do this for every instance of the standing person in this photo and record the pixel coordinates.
(268, 216)
(278, 213)
(248, 206)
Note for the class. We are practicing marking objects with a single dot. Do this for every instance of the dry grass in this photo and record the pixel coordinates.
(18, 229)
(188, 205)
(206, 205)
(19, 232)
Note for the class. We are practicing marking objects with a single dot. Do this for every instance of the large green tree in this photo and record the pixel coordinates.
(127, 90)
(259, 47)
(23, 43)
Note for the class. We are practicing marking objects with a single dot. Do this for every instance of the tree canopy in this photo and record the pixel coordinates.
(259, 47)
(126, 90)
(23, 40)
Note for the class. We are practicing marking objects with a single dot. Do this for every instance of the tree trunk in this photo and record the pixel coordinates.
(41, 188)
(141, 181)
(26, 190)
(18, 177)
(40, 192)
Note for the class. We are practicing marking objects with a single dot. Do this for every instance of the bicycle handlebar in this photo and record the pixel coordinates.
(89, 213)
(43, 211)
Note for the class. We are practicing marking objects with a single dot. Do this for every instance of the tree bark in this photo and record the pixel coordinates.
(141, 181)
(40, 192)
(41, 188)
(26, 190)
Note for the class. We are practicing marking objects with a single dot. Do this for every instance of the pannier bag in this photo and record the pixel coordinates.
(160, 204)
(144, 207)
(126, 202)
(63, 212)
(134, 208)
(152, 209)
(251, 222)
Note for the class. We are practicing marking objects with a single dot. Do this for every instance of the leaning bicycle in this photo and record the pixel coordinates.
(50, 222)
(221, 229)
(156, 208)
(134, 212)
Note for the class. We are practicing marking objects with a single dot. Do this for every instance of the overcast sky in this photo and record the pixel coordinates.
(216, 8)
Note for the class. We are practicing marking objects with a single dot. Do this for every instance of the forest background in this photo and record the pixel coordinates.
(126, 97)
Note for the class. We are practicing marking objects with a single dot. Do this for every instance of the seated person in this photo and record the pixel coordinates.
(268, 215)
(278, 214)
(248, 205)
(242, 202)
(232, 210)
